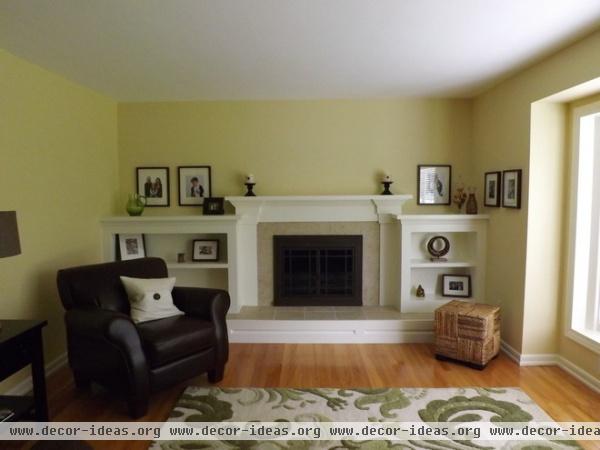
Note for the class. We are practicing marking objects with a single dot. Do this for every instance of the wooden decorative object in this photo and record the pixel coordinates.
(467, 332)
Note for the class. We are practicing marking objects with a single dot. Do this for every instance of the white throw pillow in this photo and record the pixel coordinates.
(150, 298)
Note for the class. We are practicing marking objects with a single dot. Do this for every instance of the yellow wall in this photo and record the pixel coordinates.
(501, 141)
(296, 147)
(58, 153)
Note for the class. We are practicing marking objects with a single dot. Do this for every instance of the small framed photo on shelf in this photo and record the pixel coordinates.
(511, 188)
(153, 183)
(194, 185)
(456, 285)
(434, 184)
(205, 250)
(130, 246)
(493, 189)
(213, 206)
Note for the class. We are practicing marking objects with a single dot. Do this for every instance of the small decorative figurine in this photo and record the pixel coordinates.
(387, 182)
(249, 186)
(472, 202)
(180, 257)
(420, 291)
(460, 197)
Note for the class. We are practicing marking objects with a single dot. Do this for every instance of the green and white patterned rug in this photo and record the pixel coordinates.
(199, 404)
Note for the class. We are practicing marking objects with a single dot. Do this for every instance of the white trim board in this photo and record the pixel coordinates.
(26, 386)
(330, 331)
(552, 359)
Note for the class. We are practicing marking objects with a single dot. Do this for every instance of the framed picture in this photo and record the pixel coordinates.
(213, 206)
(456, 285)
(493, 189)
(205, 250)
(194, 185)
(153, 183)
(511, 188)
(434, 183)
(130, 246)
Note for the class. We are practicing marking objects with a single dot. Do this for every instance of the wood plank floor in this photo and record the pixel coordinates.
(306, 365)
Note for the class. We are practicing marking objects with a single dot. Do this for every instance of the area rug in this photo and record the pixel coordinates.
(199, 404)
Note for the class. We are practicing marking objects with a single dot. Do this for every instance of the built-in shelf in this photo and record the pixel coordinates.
(198, 265)
(427, 264)
(467, 237)
(430, 298)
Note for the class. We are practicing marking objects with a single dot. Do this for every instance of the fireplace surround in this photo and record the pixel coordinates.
(318, 270)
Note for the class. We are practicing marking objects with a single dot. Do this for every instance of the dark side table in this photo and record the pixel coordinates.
(21, 345)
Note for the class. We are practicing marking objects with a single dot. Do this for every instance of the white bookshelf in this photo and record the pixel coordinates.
(167, 236)
(467, 235)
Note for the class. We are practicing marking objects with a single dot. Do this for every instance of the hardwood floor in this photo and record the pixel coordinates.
(367, 365)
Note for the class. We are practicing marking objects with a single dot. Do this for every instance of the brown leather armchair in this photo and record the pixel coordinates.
(107, 347)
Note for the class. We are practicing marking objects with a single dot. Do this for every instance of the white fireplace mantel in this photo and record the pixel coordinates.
(383, 209)
(319, 208)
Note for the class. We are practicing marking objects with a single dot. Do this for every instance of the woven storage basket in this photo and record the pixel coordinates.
(467, 332)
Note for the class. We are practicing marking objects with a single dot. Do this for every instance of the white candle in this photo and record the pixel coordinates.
(387, 179)
(250, 179)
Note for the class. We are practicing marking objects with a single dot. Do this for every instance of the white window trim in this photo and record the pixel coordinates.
(588, 338)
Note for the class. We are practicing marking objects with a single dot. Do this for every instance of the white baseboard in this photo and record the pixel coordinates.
(552, 359)
(26, 386)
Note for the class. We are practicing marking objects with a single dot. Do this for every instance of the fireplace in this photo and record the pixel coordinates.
(323, 270)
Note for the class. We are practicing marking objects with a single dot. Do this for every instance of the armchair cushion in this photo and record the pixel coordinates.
(150, 298)
(174, 338)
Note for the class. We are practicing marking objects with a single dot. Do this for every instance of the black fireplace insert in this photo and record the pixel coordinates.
(323, 270)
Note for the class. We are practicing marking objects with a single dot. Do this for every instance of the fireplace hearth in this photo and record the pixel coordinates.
(322, 270)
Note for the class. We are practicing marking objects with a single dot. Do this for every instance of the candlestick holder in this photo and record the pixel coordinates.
(386, 187)
(249, 192)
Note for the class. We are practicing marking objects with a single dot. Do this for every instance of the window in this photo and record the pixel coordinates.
(585, 290)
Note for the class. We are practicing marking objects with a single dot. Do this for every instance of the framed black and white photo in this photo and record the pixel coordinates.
(194, 185)
(456, 285)
(153, 184)
(205, 250)
(493, 189)
(434, 184)
(213, 206)
(511, 188)
(130, 246)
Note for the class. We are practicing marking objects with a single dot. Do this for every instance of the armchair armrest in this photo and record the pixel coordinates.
(96, 336)
(207, 304)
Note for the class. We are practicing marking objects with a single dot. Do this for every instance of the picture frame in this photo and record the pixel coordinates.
(511, 188)
(194, 185)
(130, 246)
(205, 250)
(213, 206)
(456, 285)
(153, 183)
(492, 189)
(434, 184)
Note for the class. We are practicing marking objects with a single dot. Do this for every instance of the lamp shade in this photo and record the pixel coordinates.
(9, 234)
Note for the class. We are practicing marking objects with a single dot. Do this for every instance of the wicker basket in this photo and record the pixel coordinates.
(467, 332)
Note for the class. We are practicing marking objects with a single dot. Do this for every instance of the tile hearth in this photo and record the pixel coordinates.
(317, 313)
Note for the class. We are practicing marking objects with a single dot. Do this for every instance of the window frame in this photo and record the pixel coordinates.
(584, 335)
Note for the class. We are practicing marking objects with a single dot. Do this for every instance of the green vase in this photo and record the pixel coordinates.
(136, 204)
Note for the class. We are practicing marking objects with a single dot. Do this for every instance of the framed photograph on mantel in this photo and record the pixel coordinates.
(434, 184)
(194, 185)
(493, 189)
(153, 183)
(511, 188)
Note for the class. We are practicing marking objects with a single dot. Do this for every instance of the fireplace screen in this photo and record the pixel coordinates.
(319, 270)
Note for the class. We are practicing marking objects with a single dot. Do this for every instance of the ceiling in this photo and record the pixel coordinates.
(150, 50)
